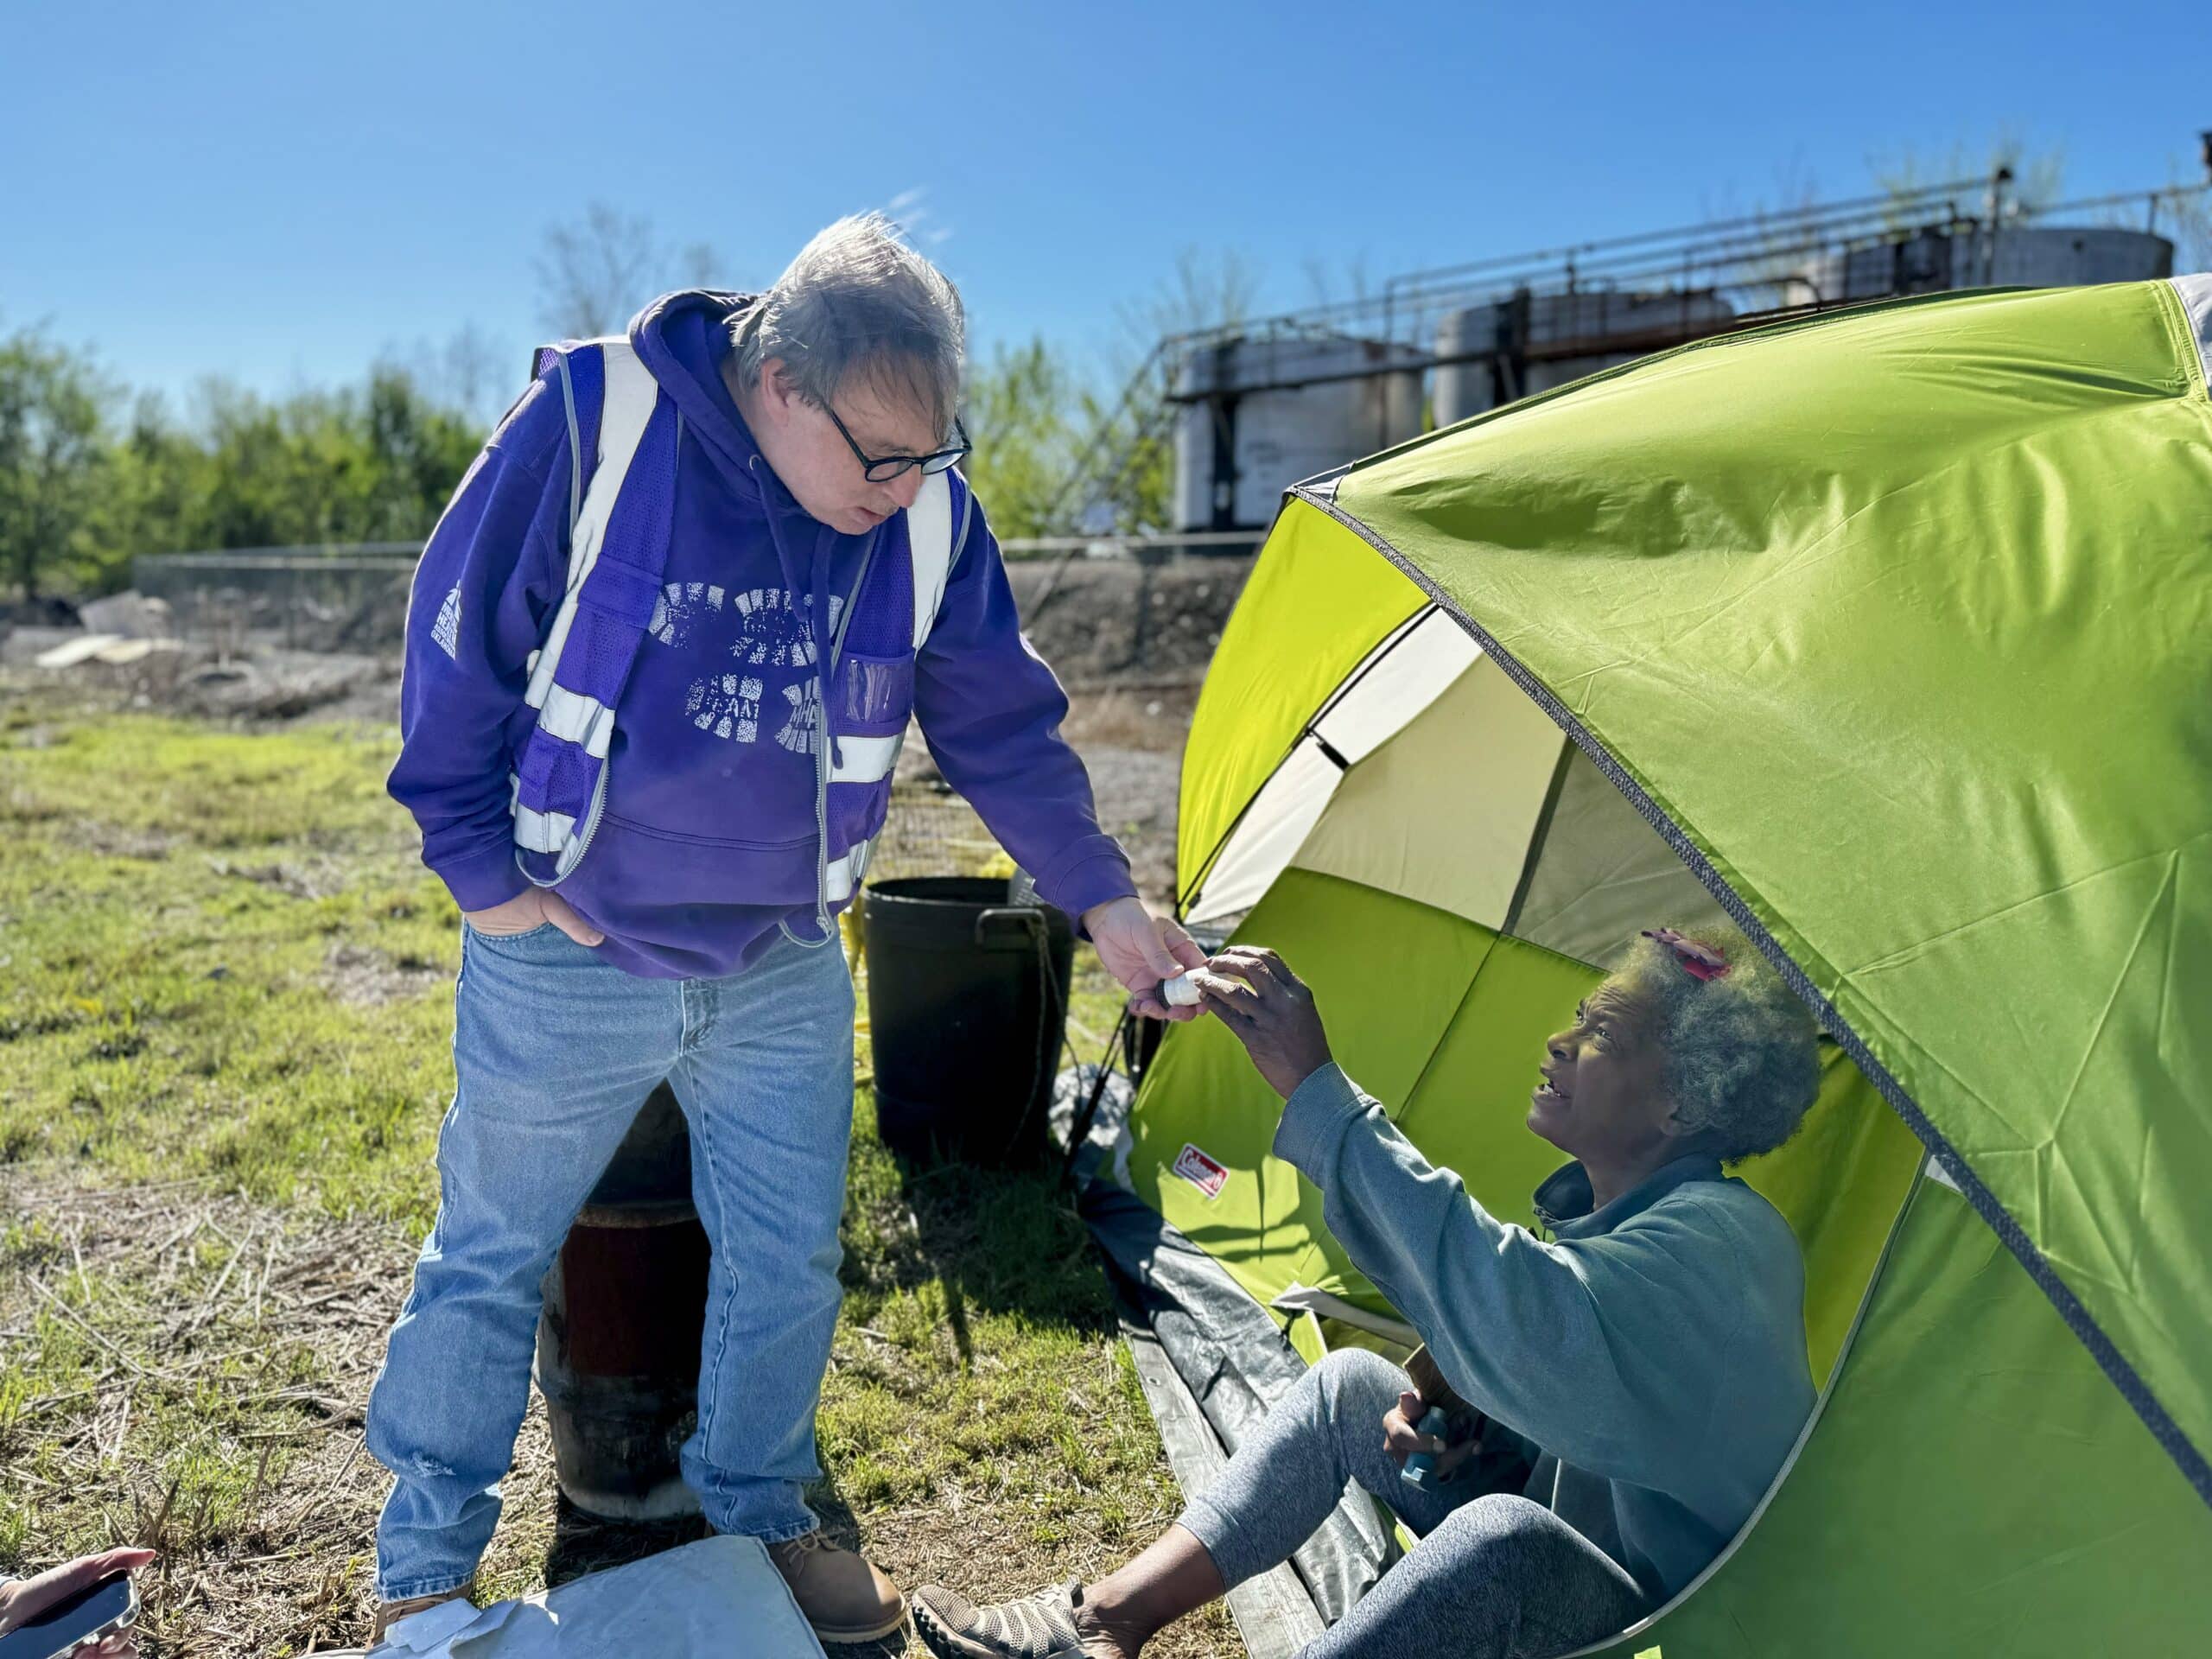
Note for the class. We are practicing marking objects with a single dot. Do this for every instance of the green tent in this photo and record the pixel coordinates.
(1887, 634)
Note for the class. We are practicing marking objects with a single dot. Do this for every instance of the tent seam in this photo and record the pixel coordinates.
(1537, 841)
(2122, 1375)
(1383, 648)
(2192, 349)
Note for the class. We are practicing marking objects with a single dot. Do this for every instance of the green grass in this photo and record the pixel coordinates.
(225, 1019)
(170, 907)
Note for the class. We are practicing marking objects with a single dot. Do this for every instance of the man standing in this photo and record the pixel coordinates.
(651, 707)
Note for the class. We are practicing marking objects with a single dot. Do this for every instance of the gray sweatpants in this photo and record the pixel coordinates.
(1495, 1576)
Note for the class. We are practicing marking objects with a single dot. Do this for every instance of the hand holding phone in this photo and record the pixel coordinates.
(1416, 1435)
(89, 1601)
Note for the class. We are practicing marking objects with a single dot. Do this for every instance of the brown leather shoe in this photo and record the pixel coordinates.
(389, 1613)
(844, 1597)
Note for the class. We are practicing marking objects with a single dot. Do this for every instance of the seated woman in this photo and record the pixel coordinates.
(1650, 1355)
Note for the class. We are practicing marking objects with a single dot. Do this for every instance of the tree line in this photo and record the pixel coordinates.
(92, 476)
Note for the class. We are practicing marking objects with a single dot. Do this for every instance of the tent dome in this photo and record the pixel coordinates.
(1887, 633)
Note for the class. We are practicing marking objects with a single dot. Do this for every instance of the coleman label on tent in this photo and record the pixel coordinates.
(1201, 1170)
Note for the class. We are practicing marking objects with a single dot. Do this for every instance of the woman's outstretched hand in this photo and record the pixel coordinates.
(1257, 996)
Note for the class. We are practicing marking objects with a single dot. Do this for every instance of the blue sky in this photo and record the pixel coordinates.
(281, 192)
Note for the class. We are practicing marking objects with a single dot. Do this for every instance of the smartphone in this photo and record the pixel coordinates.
(97, 1610)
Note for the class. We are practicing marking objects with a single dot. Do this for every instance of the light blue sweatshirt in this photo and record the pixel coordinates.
(1652, 1352)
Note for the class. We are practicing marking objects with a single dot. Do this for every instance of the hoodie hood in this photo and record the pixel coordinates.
(1563, 1202)
(683, 338)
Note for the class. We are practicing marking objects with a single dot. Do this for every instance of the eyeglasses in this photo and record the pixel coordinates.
(881, 469)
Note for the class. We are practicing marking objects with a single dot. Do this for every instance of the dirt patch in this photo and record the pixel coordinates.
(363, 977)
(217, 1417)
(220, 1421)
(293, 881)
(260, 685)
(1130, 640)
(1155, 719)
(275, 686)
(1131, 743)
(123, 841)
(1135, 790)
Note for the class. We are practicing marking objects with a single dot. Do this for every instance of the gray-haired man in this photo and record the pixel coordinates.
(651, 707)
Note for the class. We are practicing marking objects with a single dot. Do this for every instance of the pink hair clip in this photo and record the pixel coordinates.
(1699, 961)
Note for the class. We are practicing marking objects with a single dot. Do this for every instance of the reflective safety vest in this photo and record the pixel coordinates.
(620, 514)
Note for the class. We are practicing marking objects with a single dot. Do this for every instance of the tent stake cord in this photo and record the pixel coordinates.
(1080, 1126)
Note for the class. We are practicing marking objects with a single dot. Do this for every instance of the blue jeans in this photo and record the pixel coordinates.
(555, 1050)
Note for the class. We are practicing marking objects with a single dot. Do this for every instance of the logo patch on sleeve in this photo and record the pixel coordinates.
(1201, 1170)
(446, 631)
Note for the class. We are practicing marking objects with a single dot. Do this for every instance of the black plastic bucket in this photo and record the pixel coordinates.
(967, 1006)
(617, 1342)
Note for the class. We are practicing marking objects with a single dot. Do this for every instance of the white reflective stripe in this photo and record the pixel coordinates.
(631, 392)
(863, 760)
(536, 831)
(2195, 295)
(929, 536)
(1940, 1173)
(845, 873)
(543, 832)
(574, 718)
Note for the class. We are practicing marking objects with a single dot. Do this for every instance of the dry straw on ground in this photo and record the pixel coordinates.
(217, 1101)
(205, 1319)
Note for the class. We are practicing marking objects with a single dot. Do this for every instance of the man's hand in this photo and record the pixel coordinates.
(1400, 1439)
(530, 908)
(26, 1599)
(1271, 1012)
(1141, 949)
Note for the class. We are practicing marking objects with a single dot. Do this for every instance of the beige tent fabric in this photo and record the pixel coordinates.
(1449, 766)
(1444, 811)
(1268, 835)
(1603, 874)
(1392, 687)
(1405, 675)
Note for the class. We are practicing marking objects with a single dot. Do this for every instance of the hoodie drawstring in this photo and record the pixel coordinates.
(825, 663)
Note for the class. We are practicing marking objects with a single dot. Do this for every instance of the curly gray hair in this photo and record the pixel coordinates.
(1742, 1053)
(858, 300)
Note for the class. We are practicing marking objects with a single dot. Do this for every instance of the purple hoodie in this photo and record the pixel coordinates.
(708, 841)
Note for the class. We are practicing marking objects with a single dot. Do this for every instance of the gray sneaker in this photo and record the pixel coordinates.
(1041, 1626)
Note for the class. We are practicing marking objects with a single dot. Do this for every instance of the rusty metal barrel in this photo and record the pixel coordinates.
(618, 1342)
